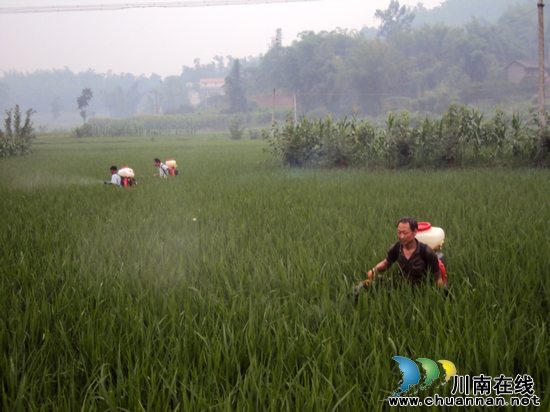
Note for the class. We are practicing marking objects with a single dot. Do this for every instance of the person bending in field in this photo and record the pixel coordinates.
(115, 177)
(163, 169)
(415, 259)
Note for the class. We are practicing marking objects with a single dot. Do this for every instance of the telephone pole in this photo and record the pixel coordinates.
(542, 110)
(273, 109)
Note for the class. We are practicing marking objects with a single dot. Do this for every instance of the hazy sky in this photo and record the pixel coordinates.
(163, 40)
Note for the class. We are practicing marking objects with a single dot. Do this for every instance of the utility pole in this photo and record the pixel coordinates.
(273, 108)
(295, 112)
(542, 109)
(155, 101)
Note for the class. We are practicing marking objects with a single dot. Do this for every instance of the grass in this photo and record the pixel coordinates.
(117, 299)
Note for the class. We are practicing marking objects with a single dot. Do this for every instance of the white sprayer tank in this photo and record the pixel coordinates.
(171, 163)
(430, 235)
(126, 172)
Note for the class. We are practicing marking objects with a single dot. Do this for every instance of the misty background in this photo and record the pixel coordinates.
(404, 57)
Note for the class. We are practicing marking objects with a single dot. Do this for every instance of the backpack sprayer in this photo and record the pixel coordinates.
(172, 167)
(434, 237)
(127, 177)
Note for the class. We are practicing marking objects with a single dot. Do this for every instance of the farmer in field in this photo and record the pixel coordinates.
(414, 258)
(163, 169)
(115, 178)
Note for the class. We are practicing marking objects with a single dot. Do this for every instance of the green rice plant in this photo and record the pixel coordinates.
(226, 288)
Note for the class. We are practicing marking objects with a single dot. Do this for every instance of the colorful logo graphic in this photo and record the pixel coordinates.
(479, 390)
(411, 373)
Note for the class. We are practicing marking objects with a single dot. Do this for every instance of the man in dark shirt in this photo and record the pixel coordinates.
(413, 264)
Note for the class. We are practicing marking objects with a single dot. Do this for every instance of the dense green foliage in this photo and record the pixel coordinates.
(421, 69)
(124, 103)
(15, 140)
(460, 138)
(394, 19)
(118, 299)
(83, 102)
(54, 92)
(459, 12)
(87, 130)
(236, 131)
(234, 90)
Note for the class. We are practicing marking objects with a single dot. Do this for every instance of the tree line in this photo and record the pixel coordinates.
(419, 69)
(405, 66)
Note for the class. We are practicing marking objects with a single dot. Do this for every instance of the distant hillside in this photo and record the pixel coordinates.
(459, 12)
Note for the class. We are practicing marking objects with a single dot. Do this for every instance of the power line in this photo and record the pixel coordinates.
(110, 7)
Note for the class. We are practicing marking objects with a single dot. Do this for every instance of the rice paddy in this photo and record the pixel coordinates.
(226, 288)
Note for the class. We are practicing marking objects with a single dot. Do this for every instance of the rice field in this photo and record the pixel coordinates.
(226, 288)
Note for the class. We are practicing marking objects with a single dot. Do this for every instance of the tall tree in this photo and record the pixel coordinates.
(174, 93)
(394, 19)
(369, 73)
(56, 107)
(277, 41)
(234, 89)
(122, 103)
(83, 101)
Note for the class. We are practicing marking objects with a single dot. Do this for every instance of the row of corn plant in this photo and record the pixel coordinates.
(460, 138)
(15, 139)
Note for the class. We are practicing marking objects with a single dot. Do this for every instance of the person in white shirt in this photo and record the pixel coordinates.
(163, 169)
(115, 178)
